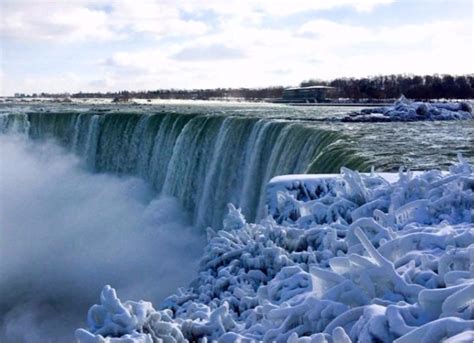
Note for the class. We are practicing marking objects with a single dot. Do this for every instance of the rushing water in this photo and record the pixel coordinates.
(104, 224)
(208, 155)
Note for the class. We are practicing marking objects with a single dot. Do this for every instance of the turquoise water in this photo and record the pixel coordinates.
(210, 154)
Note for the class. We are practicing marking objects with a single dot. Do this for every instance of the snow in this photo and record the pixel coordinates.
(407, 110)
(339, 258)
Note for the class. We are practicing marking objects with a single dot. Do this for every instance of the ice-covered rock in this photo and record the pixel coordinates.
(407, 110)
(114, 321)
(348, 258)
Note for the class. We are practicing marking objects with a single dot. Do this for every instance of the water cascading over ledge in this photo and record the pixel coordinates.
(206, 161)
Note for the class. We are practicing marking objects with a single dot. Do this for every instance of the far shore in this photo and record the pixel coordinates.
(228, 101)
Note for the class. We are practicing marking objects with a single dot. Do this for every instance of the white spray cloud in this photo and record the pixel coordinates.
(64, 233)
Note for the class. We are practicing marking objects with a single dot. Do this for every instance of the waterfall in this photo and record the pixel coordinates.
(205, 161)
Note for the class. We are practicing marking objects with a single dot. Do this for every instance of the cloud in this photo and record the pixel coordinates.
(283, 7)
(41, 21)
(101, 83)
(319, 48)
(240, 56)
(160, 18)
(409, 35)
(83, 20)
(208, 53)
(231, 43)
(249, 8)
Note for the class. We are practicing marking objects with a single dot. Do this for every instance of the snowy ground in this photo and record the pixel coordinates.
(353, 258)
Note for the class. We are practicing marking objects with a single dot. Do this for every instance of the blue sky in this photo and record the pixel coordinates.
(102, 45)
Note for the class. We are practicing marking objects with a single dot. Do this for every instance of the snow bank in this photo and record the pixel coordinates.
(407, 110)
(353, 258)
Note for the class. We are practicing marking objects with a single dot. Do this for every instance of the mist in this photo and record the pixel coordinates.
(65, 233)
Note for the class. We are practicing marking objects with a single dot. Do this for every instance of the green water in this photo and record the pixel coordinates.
(209, 154)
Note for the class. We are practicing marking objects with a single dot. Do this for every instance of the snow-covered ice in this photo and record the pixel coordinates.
(348, 258)
(407, 110)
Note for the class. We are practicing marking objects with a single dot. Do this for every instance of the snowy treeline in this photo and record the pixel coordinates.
(355, 258)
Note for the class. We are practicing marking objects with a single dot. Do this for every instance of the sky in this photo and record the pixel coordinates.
(109, 45)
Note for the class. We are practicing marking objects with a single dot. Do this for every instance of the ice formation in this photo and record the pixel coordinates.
(407, 110)
(353, 258)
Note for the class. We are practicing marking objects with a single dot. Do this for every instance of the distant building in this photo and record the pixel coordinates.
(311, 94)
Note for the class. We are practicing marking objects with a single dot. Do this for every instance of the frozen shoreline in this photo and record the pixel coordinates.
(352, 258)
(407, 110)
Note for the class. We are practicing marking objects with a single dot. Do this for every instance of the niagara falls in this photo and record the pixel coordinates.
(239, 171)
